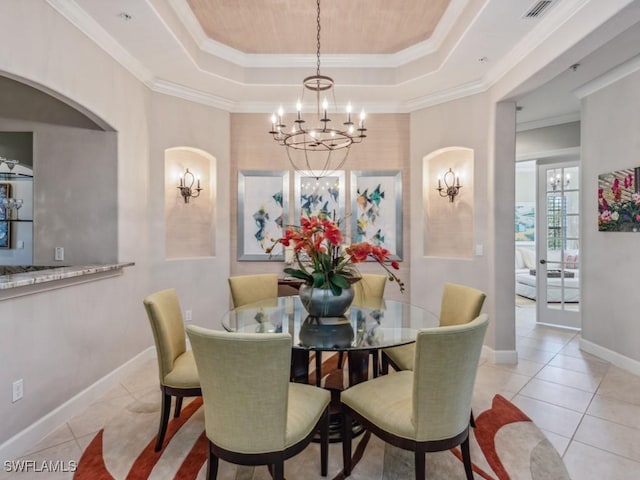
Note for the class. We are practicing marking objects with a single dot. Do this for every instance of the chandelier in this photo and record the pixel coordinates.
(318, 148)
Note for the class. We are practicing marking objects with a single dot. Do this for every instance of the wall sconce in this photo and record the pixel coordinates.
(554, 182)
(451, 185)
(186, 186)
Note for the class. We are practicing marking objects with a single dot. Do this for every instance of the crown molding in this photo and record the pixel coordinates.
(444, 96)
(70, 10)
(560, 152)
(191, 94)
(548, 122)
(612, 76)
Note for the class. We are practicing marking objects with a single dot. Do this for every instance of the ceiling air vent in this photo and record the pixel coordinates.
(538, 9)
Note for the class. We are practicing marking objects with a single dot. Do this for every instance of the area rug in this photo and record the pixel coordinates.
(504, 445)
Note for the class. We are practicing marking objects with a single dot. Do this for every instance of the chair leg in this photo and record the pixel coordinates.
(384, 369)
(212, 465)
(472, 420)
(420, 464)
(176, 412)
(164, 420)
(278, 470)
(318, 367)
(466, 459)
(376, 363)
(324, 443)
(346, 444)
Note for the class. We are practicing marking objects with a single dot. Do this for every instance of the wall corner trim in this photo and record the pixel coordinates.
(503, 357)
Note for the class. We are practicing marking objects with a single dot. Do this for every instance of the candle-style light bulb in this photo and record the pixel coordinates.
(362, 117)
(273, 119)
(298, 108)
(280, 114)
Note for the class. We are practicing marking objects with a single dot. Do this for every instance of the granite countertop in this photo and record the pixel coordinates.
(49, 274)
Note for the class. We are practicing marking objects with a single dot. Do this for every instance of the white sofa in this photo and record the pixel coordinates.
(526, 281)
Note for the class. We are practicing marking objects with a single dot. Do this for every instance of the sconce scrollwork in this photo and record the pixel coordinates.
(451, 185)
(187, 190)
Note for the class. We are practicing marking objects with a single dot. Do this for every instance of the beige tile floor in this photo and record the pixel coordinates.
(589, 409)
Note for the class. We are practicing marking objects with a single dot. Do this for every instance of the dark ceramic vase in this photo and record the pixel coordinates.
(321, 302)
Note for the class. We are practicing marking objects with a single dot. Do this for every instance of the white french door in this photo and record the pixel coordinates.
(558, 244)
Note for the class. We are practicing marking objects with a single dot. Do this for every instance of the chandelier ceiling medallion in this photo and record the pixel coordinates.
(317, 149)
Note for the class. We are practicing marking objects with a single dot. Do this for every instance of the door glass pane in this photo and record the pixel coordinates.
(573, 226)
(573, 202)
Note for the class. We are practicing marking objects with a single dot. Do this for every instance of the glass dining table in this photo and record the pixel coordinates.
(364, 330)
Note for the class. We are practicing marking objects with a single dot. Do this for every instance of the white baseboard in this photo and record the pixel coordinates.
(27, 438)
(615, 358)
(508, 357)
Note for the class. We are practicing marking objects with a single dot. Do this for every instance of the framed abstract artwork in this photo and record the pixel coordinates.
(321, 197)
(263, 210)
(5, 227)
(525, 227)
(376, 209)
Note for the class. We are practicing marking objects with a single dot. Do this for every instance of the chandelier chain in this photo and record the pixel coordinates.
(318, 38)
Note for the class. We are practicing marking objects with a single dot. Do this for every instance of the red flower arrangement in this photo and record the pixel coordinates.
(330, 264)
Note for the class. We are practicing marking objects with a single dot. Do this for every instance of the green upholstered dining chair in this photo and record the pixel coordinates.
(176, 366)
(460, 304)
(253, 288)
(427, 409)
(253, 414)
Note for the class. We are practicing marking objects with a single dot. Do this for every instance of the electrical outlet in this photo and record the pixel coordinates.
(18, 390)
(187, 316)
(59, 253)
(20, 244)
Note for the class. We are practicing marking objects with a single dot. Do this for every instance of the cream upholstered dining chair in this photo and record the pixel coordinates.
(253, 414)
(460, 304)
(369, 290)
(176, 366)
(427, 409)
(253, 288)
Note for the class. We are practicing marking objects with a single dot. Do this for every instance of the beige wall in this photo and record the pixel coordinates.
(385, 148)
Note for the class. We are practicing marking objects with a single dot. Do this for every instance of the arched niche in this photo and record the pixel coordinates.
(449, 229)
(189, 229)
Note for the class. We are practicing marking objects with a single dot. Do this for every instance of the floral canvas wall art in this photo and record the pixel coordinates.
(619, 201)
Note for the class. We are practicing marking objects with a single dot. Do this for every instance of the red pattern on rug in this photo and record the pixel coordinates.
(92, 467)
(488, 423)
(502, 413)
